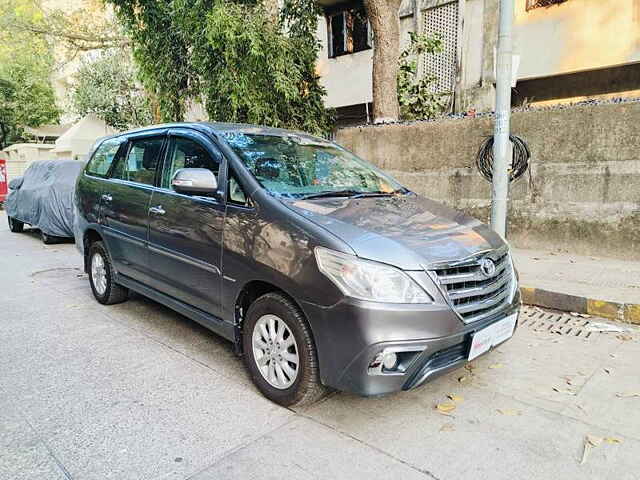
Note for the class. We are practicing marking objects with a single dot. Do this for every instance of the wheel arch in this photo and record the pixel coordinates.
(249, 293)
(91, 235)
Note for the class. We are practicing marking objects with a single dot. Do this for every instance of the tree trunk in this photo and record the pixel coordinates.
(385, 22)
(272, 7)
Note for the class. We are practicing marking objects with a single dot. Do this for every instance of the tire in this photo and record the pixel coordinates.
(16, 226)
(49, 239)
(303, 388)
(104, 288)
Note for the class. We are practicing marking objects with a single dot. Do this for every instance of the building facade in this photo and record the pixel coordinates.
(564, 50)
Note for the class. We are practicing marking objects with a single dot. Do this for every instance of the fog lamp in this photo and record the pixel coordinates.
(389, 360)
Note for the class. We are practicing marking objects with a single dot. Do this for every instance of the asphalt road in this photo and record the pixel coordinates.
(136, 391)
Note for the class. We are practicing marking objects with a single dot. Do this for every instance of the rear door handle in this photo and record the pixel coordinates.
(107, 197)
(157, 210)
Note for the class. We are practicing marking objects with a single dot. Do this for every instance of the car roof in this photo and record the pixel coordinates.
(217, 127)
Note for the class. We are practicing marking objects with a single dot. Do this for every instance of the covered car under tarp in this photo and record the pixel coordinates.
(43, 196)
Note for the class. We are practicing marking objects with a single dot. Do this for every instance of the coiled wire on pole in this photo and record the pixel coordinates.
(520, 162)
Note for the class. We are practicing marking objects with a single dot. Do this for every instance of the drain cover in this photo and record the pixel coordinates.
(55, 273)
(558, 323)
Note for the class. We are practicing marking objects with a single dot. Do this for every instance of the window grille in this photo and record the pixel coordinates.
(442, 21)
(531, 4)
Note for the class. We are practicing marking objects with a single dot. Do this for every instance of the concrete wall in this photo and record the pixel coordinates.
(576, 35)
(584, 191)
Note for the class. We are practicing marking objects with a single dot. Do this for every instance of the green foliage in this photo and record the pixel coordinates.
(416, 96)
(26, 64)
(232, 57)
(107, 88)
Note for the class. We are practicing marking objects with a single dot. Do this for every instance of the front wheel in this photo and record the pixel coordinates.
(101, 277)
(280, 353)
(16, 226)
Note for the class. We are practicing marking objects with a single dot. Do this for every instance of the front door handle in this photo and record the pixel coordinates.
(107, 197)
(157, 210)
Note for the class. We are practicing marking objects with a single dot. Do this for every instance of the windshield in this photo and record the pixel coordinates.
(299, 166)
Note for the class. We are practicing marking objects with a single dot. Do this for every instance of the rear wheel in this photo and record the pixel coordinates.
(101, 277)
(280, 353)
(49, 239)
(16, 226)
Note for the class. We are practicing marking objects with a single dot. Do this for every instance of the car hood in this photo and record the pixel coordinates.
(408, 231)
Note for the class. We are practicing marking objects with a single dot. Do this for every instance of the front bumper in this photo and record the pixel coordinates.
(350, 334)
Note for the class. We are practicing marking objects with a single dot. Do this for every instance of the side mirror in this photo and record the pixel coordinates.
(194, 181)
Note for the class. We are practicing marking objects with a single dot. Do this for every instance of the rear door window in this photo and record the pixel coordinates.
(141, 162)
(103, 158)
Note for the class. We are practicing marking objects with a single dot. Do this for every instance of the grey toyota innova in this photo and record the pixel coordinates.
(321, 269)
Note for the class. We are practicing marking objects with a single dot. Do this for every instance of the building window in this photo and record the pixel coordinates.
(531, 4)
(349, 31)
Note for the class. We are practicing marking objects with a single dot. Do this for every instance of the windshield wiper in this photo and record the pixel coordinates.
(333, 193)
(353, 194)
(379, 194)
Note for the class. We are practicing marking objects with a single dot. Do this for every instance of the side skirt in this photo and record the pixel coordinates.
(213, 323)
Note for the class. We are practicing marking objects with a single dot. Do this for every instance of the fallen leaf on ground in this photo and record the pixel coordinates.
(590, 442)
(627, 394)
(470, 367)
(464, 379)
(624, 338)
(607, 371)
(496, 365)
(567, 392)
(447, 427)
(593, 440)
(612, 440)
(446, 407)
(509, 412)
(455, 398)
(605, 328)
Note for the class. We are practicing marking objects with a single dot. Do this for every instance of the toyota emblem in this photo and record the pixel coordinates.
(487, 267)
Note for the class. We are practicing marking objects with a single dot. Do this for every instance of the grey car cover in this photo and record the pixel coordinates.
(43, 197)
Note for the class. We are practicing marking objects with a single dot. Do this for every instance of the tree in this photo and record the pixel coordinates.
(84, 28)
(385, 22)
(26, 95)
(107, 87)
(236, 57)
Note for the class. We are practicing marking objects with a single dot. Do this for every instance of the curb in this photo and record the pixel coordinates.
(623, 312)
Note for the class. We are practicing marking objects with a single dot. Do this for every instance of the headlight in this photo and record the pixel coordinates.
(368, 280)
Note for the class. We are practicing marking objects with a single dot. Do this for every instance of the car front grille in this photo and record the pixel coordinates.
(474, 294)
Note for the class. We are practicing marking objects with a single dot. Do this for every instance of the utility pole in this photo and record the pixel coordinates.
(501, 145)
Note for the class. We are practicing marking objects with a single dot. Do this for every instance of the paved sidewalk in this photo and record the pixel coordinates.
(136, 391)
(590, 285)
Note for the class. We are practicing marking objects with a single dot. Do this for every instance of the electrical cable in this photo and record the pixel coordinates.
(520, 160)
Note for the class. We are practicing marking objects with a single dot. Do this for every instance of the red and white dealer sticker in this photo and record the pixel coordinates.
(493, 335)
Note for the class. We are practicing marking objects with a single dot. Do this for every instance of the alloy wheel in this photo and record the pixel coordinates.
(99, 274)
(275, 351)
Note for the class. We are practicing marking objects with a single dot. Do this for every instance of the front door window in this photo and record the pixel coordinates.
(187, 153)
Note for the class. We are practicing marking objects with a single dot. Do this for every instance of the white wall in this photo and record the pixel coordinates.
(348, 78)
(20, 155)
